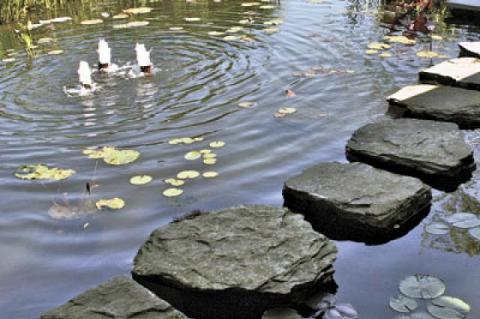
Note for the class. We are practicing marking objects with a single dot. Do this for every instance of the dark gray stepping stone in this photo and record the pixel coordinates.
(433, 151)
(464, 8)
(441, 103)
(470, 49)
(355, 201)
(460, 72)
(236, 263)
(119, 298)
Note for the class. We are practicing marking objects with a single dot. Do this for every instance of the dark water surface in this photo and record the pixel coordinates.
(199, 82)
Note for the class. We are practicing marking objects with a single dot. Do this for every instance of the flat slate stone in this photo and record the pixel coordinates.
(441, 103)
(119, 298)
(355, 201)
(461, 72)
(470, 49)
(236, 263)
(433, 151)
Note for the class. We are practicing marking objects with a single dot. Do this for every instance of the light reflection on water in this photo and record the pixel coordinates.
(195, 92)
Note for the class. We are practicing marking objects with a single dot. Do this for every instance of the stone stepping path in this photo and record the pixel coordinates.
(442, 103)
(119, 298)
(355, 201)
(470, 49)
(235, 263)
(433, 151)
(460, 72)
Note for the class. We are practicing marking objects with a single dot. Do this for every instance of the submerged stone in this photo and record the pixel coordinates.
(433, 151)
(236, 263)
(442, 103)
(355, 201)
(119, 298)
(470, 49)
(461, 72)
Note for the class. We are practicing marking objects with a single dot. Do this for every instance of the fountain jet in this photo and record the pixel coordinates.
(85, 75)
(104, 55)
(143, 58)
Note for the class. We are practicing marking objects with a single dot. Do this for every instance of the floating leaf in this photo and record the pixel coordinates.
(400, 39)
(437, 228)
(193, 155)
(385, 55)
(246, 104)
(175, 28)
(437, 37)
(8, 60)
(246, 21)
(447, 307)
(427, 54)
(174, 182)
(113, 203)
(267, 7)
(139, 10)
(189, 174)
(231, 38)
(55, 52)
(378, 46)
(140, 179)
(113, 156)
(192, 19)
(172, 192)
(210, 161)
(250, 4)
(120, 16)
(209, 155)
(216, 33)
(210, 174)
(475, 232)
(403, 304)
(422, 286)
(90, 22)
(234, 29)
(371, 52)
(464, 220)
(43, 172)
(217, 144)
(287, 110)
(271, 30)
(204, 152)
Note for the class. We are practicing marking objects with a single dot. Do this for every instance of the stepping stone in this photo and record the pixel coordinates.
(464, 8)
(236, 263)
(461, 72)
(355, 201)
(441, 103)
(470, 49)
(433, 151)
(119, 298)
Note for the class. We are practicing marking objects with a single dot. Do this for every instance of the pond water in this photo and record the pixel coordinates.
(318, 52)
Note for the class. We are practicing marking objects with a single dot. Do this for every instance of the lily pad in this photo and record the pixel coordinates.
(189, 174)
(400, 39)
(231, 38)
(185, 140)
(475, 232)
(464, 220)
(210, 174)
(234, 29)
(267, 7)
(447, 307)
(271, 30)
(385, 55)
(140, 179)
(120, 16)
(217, 144)
(139, 10)
(422, 286)
(92, 21)
(172, 192)
(43, 172)
(174, 182)
(437, 228)
(371, 52)
(193, 155)
(246, 104)
(427, 54)
(250, 4)
(175, 28)
(379, 46)
(283, 111)
(9, 60)
(403, 304)
(210, 161)
(113, 156)
(113, 203)
(55, 52)
(209, 155)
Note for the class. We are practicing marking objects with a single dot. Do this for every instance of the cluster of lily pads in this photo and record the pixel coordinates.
(468, 221)
(381, 48)
(431, 291)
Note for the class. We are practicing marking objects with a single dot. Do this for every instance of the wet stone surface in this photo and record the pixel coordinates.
(355, 201)
(119, 298)
(460, 72)
(433, 151)
(236, 263)
(442, 103)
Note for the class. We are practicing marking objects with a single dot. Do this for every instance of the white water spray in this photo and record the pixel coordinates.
(85, 75)
(104, 54)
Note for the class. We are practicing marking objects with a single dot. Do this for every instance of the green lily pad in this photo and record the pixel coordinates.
(112, 203)
(464, 220)
(437, 228)
(193, 155)
(43, 172)
(422, 286)
(217, 144)
(447, 307)
(210, 174)
(174, 182)
(210, 161)
(475, 232)
(189, 174)
(139, 10)
(113, 156)
(140, 179)
(403, 304)
(172, 192)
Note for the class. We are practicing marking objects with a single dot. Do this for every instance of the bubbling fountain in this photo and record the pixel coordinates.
(104, 55)
(143, 58)
(85, 76)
